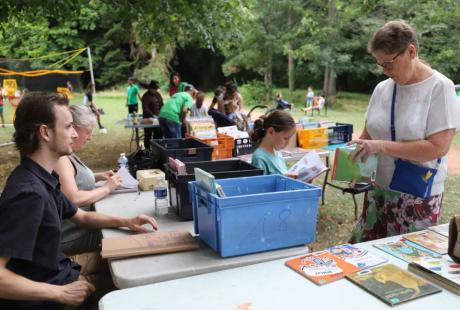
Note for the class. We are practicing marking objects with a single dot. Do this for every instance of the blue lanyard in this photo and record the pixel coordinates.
(392, 127)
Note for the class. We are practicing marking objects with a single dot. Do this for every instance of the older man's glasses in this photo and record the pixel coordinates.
(388, 64)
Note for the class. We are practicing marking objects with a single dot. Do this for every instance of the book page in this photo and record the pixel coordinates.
(308, 167)
(127, 179)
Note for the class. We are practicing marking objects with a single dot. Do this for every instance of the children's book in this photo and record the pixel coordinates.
(441, 229)
(207, 182)
(442, 271)
(392, 284)
(430, 240)
(347, 170)
(359, 257)
(309, 167)
(406, 250)
(177, 165)
(321, 267)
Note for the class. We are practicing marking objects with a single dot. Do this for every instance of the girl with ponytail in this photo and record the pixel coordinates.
(271, 134)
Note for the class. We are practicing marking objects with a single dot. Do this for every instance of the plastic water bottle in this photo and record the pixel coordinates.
(122, 161)
(160, 192)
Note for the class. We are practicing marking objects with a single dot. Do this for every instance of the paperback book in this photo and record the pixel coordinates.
(207, 182)
(406, 250)
(392, 284)
(356, 256)
(430, 240)
(321, 267)
(442, 271)
(347, 170)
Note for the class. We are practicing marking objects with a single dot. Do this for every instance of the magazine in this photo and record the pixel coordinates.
(308, 167)
(406, 250)
(359, 257)
(321, 267)
(392, 284)
(430, 240)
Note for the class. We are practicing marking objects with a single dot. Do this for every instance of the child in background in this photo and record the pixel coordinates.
(282, 103)
(88, 101)
(271, 134)
(310, 96)
(198, 109)
(1, 107)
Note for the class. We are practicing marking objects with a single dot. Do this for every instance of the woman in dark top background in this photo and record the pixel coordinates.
(151, 106)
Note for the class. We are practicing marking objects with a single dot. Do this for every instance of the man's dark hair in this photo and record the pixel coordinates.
(34, 110)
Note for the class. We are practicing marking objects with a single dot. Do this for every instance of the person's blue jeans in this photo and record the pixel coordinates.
(170, 129)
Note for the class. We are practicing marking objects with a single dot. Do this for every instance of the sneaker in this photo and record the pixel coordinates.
(103, 131)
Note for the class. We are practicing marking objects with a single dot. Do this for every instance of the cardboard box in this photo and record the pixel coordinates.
(149, 243)
(149, 178)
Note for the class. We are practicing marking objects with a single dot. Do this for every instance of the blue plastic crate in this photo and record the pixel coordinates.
(341, 133)
(258, 214)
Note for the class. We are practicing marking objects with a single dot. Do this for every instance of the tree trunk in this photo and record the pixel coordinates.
(290, 57)
(330, 77)
(268, 74)
(329, 83)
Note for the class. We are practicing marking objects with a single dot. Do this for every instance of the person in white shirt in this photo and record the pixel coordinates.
(426, 118)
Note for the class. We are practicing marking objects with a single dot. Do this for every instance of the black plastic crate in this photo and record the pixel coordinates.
(221, 169)
(243, 146)
(185, 150)
(341, 133)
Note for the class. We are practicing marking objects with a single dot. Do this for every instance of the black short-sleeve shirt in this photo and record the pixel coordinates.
(32, 207)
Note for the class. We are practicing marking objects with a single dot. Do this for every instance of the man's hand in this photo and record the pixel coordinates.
(135, 223)
(74, 293)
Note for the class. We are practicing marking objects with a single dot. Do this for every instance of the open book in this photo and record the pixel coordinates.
(348, 170)
(308, 167)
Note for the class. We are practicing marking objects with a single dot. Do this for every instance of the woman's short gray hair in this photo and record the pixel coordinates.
(83, 116)
(393, 37)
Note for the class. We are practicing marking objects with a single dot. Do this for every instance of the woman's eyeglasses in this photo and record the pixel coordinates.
(388, 64)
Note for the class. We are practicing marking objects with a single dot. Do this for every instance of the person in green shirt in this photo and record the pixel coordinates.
(133, 94)
(173, 112)
(271, 134)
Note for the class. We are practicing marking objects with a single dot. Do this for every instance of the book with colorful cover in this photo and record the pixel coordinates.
(347, 170)
(321, 267)
(354, 255)
(442, 271)
(392, 284)
(406, 250)
(441, 229)
(430, 240)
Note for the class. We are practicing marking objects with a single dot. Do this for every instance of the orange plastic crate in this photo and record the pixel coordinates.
(312, 138)
(222, 146)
